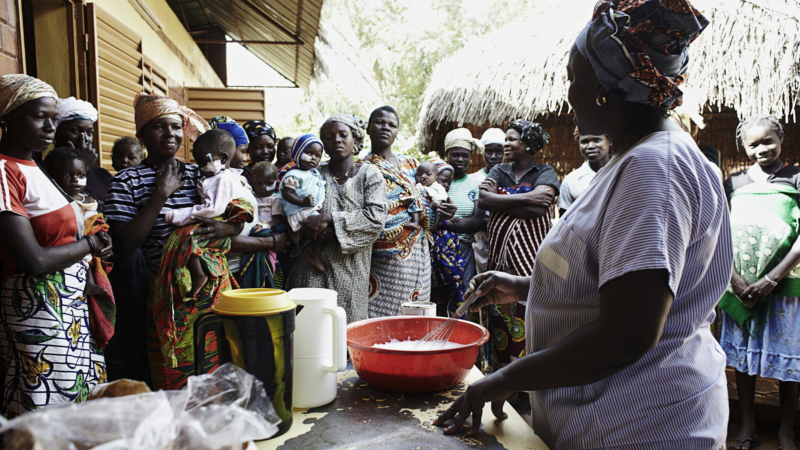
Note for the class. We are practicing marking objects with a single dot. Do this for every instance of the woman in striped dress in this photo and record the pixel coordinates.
(519, 195)
(620, 354)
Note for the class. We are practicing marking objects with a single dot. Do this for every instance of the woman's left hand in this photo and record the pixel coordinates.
(488, 389)
(328, 236)
(106, 251)
(211, 230)
(756, 292)
(447, 210)
(316, 224)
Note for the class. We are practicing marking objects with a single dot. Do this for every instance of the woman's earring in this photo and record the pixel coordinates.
(601, 100)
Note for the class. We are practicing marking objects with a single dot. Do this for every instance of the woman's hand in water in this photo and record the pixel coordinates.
(211, 230)
(497, 288)
(168, 181)
(491, 388)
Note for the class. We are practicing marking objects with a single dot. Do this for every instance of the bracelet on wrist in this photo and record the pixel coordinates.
(770, 281)
(274, 241)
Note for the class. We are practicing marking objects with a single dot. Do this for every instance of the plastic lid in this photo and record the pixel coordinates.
(253, 302)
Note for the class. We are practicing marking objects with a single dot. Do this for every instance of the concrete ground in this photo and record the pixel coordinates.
(767, 433)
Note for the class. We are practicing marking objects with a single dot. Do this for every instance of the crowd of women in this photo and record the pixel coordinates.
(104, 276)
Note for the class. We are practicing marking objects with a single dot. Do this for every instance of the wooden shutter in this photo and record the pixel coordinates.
(154, 80)
(115, 77)
(241, 105)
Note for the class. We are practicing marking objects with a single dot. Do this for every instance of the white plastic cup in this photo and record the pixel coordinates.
(427, 309)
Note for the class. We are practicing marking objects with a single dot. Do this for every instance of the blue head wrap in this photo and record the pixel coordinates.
(301, 144)
(639, 50)
(230, 125)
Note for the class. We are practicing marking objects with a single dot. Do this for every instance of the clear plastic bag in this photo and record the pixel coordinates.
(218, 411)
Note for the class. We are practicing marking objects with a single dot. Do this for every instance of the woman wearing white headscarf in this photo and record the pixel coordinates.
(75, 128)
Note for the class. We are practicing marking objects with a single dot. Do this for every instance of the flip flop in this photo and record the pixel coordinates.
(753, 443)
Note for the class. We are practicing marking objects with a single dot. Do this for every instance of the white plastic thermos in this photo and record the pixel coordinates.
(320, 347)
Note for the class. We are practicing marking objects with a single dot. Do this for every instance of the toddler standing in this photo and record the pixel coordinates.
(260, 269)
(302, 189)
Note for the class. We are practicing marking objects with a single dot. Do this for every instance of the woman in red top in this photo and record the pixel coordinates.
(45, 343)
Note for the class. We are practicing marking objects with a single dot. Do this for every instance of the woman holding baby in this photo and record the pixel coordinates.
(349, 222)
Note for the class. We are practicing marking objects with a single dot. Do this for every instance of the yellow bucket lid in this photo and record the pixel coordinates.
(253, 302)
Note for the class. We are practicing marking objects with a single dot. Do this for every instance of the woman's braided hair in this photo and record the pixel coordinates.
(764, 120)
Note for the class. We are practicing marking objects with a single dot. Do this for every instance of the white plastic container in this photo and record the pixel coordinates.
(320, 347)
(427, 309)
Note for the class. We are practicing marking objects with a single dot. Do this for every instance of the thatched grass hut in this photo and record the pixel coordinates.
(747, 62)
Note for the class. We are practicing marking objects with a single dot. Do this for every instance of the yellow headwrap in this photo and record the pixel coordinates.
(462, 137)
(16, 90)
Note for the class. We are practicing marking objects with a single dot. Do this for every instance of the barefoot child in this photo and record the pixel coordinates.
(302, 190)
(260, 269)
(126, 152)
(68, 170)
(222, 190)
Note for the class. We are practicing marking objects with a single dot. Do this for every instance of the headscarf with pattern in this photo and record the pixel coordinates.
(71, 109)
(16, 90)
(462, 138)
(149, 107)
(531, 133)
(230, 125)
(256, 128)
(356, 124)
(301, 144)
(639, 49)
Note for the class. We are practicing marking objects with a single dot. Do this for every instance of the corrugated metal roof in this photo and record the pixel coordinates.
(261, 20)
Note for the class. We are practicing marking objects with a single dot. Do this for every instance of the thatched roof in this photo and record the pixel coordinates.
(748, 59)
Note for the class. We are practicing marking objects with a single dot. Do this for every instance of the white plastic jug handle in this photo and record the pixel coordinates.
(339, 317)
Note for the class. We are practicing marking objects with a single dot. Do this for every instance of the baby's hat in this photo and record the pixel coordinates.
(301, 144)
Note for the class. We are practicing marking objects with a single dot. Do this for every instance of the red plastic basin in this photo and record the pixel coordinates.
(412, 370)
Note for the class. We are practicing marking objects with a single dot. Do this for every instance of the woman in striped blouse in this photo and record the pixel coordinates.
(620, 354)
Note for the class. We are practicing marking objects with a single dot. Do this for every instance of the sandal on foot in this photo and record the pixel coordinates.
(740, 444)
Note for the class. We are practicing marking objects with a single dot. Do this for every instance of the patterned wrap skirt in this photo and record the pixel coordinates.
(399, 279)
(46, 349)
(513, 246)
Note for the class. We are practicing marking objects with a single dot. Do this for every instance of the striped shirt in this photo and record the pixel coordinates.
(130, 191)
(463, 193)
(658, 206)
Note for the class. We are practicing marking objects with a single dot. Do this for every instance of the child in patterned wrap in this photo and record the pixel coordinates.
(218, 187)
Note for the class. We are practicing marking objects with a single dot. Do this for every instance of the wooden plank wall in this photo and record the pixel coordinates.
(241, 105)
(120, 68)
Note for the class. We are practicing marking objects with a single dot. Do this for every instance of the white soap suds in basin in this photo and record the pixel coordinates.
(394, 344)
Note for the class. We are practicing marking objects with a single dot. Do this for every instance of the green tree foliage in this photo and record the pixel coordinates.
(382, 52)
